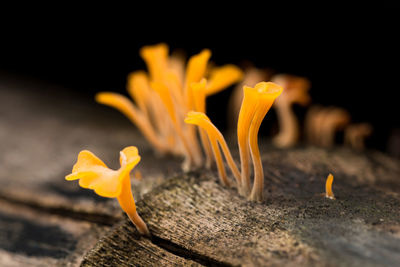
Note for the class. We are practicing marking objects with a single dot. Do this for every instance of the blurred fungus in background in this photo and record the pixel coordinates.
(330, 56)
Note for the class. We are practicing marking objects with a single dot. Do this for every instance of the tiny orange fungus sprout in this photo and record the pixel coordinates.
(328, 187)
(94, 174)
(255, 105)
(163, 97)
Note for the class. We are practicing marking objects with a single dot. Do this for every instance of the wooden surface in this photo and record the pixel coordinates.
(194, 216)
(29, 237)
(46, 221)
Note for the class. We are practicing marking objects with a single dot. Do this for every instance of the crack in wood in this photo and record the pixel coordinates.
(98, 218)
(107, 220)
(187, 254)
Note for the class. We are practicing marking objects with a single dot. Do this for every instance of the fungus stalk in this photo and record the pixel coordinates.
(256, 103)
(246, 115)
(267, 93)
(199, 97)
(126, 107)
(192, 158)
(215, 138)
(127, 203)
(328, 187)
(295, 91)
(94, 174)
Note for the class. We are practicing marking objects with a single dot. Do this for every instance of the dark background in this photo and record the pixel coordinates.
(352, 61)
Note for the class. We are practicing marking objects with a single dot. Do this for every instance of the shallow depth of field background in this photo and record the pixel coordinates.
(350, 65)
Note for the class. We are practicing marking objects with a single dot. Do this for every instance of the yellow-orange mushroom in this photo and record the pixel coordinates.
(328, 187)
(246, 115)
(215, 137)
(164, 96)
(267, 92)
(252, 76)
(255, 105)
(93, 174)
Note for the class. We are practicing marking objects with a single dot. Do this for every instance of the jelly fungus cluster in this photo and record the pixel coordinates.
(163, 96)
(255, 105)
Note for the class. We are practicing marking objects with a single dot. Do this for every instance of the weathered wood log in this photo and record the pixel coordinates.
(124, 246)
(195, 217)
(29, 237)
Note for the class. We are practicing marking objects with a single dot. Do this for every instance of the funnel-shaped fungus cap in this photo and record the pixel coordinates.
(268, 89)
(94, 174)
(251, 77)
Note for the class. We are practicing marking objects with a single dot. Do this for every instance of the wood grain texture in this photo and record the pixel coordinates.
(123, 246)
(295, 225)
(30, 237)
(193, 219)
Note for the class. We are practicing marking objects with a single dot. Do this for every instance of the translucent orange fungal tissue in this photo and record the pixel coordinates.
(328, 187)
(267, 93)
(255, 105)
(215, 137)
(163, 97)
(93, 174)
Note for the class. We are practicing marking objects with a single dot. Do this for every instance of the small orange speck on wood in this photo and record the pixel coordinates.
(328, 187)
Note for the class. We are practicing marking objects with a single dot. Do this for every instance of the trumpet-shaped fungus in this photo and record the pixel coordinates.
(163, 97)
(267, 93)
(255, 105)
(93, 174)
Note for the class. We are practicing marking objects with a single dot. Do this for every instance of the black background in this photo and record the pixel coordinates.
(350, 57)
